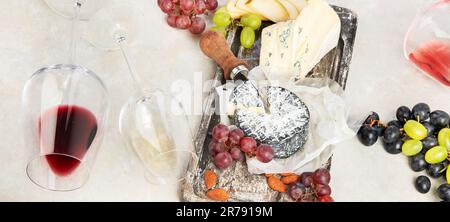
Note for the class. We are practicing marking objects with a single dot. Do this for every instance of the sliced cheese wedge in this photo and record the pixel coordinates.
(234, 11)
(290, 8)
(269, 48)
(270, 9)
(285, 52)
(242, 5)
(317, 32)
(299, 4)
(311, 36)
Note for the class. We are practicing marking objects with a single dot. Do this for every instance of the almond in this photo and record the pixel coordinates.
(289, 179)
(276, 184)
(210, 178)
(218, 195)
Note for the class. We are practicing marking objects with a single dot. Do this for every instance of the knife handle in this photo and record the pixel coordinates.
(215, 46)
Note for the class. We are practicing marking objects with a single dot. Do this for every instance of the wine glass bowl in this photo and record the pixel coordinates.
(156, 127)
(427, 42)
(66, 108)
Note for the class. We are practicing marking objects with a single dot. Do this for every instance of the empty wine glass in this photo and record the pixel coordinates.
(152, 122)
(427, 42)
(66, 109)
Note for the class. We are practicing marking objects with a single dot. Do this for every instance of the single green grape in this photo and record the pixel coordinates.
(415, 130)
(411, 147)
(253, 21)
(436, 155)
(444, 138)
(247, 37)
(221, 30)
(222, 19)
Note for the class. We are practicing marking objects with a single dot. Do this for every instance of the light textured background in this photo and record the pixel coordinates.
(32, 36)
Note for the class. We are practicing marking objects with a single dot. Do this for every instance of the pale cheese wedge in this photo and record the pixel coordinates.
(299, 4)
(317, 32)
(270, 9)
(234, 11)
(268, 49)
(311, 36)
(290, 8)
(242, 5)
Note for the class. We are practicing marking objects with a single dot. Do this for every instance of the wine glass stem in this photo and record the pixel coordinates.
(74, 32)
(68, 91)
(137, 83)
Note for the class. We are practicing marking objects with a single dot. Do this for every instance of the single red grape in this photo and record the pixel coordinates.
(248, 145)
(326, 199)
(167, 6)
(183, 22)
(200, 7)
(216, 147)
(198, 26)
(237, 154)
(211, 5)
(220, 133)
(223, 160)
(322, 190)
(172, 20)
(321, 176)
(307, 179)
(297, 191)
(264, 153)
(187, 5)
(236, 135)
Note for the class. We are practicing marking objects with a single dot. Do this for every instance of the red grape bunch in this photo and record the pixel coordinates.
(185, 14)
(228, 145)
(312, 187)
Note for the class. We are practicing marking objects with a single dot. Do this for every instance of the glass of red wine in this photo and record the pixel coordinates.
(427, 42)
(66, 108)
(153, 122)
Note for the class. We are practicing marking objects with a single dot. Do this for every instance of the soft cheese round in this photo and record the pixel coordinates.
(283, 124)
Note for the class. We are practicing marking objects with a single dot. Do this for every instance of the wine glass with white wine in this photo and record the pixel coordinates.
(153, 123)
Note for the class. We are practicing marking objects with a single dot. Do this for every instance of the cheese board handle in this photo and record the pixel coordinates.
(215, 46)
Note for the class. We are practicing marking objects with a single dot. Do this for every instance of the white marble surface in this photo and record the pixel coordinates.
(380, 79)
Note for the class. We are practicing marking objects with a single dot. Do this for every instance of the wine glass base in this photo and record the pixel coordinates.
(123, 21)
(65, 8)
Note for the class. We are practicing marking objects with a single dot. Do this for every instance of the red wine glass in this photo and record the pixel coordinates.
(427, 42)
(65, 125)
(66, 108)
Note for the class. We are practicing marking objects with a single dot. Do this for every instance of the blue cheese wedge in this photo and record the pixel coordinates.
(300, 44)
